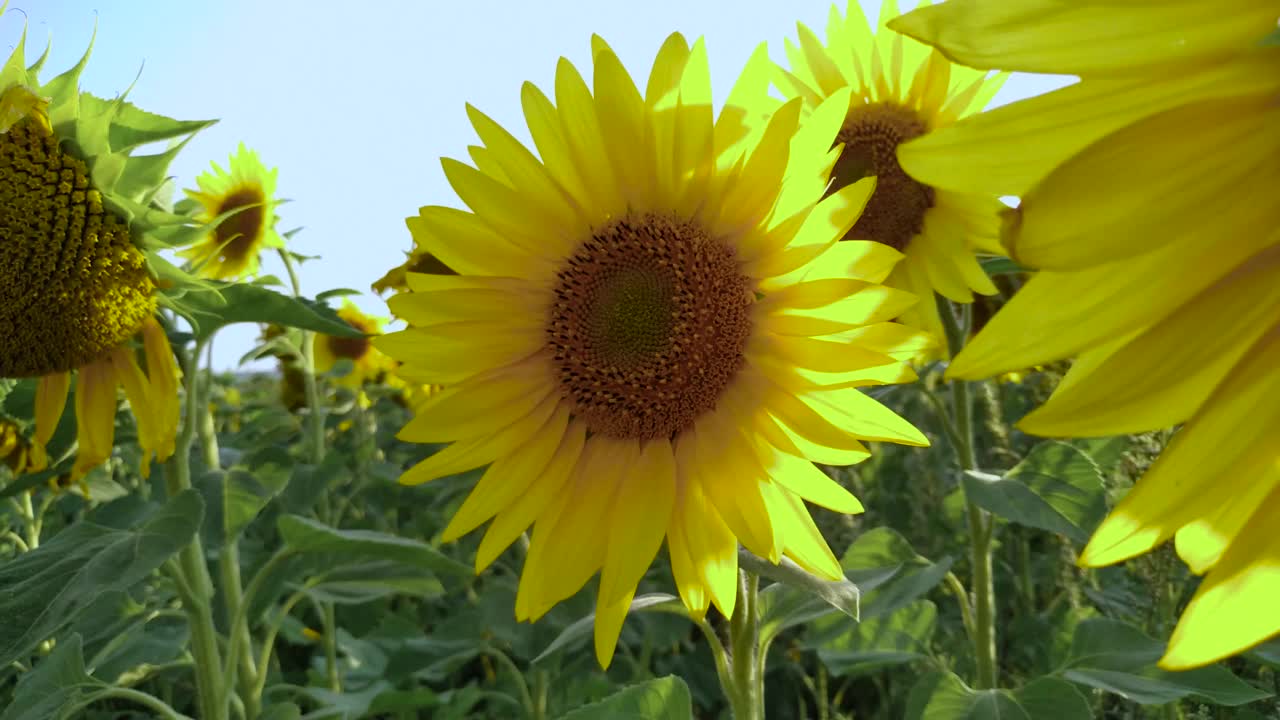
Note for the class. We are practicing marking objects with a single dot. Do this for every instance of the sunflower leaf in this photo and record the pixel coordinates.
(582, 628)
(665, 698)
(56, 685)
(791, 599)
(1057, 488)
(228, 303)
(302, 534)
(855, 648)
(47, 588)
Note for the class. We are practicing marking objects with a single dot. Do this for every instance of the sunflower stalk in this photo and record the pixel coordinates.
(746, 661)
(229, 557)
(210, 680)
(980, 524)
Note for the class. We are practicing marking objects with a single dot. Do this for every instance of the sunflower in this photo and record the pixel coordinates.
(652, 334)
(15, 448)
(419, 262)
(1148, 202)
(77, 218)
(901, 90)
(230, 250)
(368, 363)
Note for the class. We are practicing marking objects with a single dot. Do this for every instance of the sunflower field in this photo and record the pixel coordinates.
(850, 396)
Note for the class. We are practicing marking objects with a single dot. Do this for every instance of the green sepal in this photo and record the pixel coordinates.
(64, 102)
(132, 126)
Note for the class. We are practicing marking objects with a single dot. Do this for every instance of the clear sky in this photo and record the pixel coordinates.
(355, 102)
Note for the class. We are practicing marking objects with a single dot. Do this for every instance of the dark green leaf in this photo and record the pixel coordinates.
(943, 696)
(309, 536)
(653, 602)
(883, 550)
(55, 687)
(372, 580)
(660, 699)
(281, 711)
(46, 588)
(1056, 487)
(240, 303)
(902, 636)
(1049, 698)
(244, 494)
(1119, 658)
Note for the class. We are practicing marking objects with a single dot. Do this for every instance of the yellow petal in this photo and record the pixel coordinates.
(730, 476)
(1149, 183)
(482, 404)
(125, 366)
(95, 416)
(858, 414)
(540, 493)
(448, 353)
(641, 513)
(580, 126)
(1048, 36)
(801, 477)
(163, 375)
(1234, 607)
(51, 399)
(1162, 376)
(805, 544)
(553, 148)
(1037, 134)
(608, 625)
(516, 216)
(1228, 443)
(474, 452)
(509, 477)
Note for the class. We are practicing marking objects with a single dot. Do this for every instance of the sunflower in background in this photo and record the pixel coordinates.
(1148, 203)
(368, 364)
(79, 226)
(901, 91)
(420, 262)
(652, 334)
(230, 251)
(15, 448)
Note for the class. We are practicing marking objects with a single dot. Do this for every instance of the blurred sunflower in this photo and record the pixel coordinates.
(901, 90)
(231, 249)
(368, 363)
(652, 335)
(419, 262)
(76, 289)
(15, 448)
(1151, 211)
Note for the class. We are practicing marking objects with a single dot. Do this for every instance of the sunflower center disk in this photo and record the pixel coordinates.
(72, 284)
(871, 135)
(649, 326)
(236, 234)
(350, 348)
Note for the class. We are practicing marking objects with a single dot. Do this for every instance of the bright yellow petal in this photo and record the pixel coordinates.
(474, 452)
(95, 416)
(641, 513)
(51, 400)
(801, 477)
(482, 404)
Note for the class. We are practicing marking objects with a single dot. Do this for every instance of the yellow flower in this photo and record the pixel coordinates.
(1149, 204)
(418, 262)
(651, 335)
(230, 251)
(368, 364)
(901, 91)
(75, 289)
(15, 449)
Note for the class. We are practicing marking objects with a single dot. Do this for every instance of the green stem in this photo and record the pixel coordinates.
(539, 695)
(210, 683)
(315, 410)
(980, 525)
(269, 641)
(331, 647)
(31, 524)
(150, 702)
(746, 696)
(526, 698)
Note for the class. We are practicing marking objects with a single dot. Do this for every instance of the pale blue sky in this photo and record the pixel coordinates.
(356, 102)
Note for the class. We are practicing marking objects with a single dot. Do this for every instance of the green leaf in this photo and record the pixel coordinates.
(664, 698)
(841, 595)
(580, 629)
(367, 581)
(47, 588)
(281, 711)
(1272, 40)
(899, 637)
(132, 126)
(1049, 698)
(1117, 657)
(943, 696)
(226, 304)
(55, 688)
(244, 494)
(1056, 487)
(883, 551)
(994, 265)
(309, 536)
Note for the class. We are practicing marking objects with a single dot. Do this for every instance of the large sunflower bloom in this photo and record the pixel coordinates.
(1149, 203)
(653, 333)
(231, 249)
(75, 290)
(901, 90)
(368, 363)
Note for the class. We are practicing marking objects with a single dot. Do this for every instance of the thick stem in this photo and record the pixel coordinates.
(980, 525)
(210, 681)
(746, 670)
(331, 647)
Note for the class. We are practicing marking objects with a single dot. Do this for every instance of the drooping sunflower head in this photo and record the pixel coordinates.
(368, 364)
(900, 90)
(652, 333)
(244, 198)
(80, 220)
